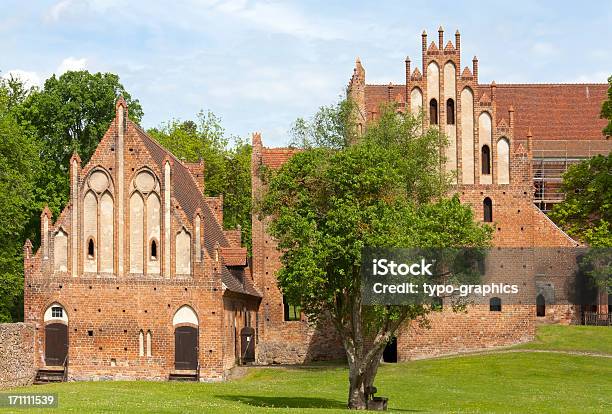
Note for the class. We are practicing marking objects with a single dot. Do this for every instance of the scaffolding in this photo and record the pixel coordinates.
(547, 180)
(552, 160)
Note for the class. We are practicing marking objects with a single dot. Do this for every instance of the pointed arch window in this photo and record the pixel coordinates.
(153, 249)
(486, 160)
(450, 111)
(433, 112)
(487, 207)
(91, 249)
(141, 343)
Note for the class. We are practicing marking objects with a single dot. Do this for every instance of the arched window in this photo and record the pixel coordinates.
(149, 343)
(486, 159)
(540, 306)
(450, 111)
(487, 208)
(153, 249)
(495, 305)
(91, 249)
(433, 112)
(141, 343)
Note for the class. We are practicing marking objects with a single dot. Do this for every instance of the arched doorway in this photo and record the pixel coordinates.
(56, 335)
(390, 352)
(540, 306)
(186, 327)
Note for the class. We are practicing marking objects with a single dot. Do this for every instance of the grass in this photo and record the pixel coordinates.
(594, 339)
(490, 383)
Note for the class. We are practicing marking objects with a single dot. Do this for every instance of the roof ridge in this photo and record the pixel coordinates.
(552, 84)
(160, 146)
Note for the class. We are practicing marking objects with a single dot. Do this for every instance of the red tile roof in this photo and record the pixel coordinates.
(554, 112)
(234, 256)
(190, 197)
(276, 157)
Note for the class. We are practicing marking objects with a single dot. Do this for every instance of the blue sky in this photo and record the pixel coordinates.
(261, 64)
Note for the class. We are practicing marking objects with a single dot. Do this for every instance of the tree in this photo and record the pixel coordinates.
(70, 113)
(227, 169)
(606, 110)
(341, 194)
(586, 212)
(19, 163)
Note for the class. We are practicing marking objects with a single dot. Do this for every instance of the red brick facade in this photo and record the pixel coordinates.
(556, 113)
(140, 252)
(121, 321)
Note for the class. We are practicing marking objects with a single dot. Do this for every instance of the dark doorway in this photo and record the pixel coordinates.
(390, 352)
(247, 344)
(540, 306)
(186, 348)
(56, 344)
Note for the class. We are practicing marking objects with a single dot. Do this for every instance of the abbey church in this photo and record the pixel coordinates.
(137, 278)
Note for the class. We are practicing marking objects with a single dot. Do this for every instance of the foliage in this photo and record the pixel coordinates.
(339, 195)
(586, 213)
(227, 170)
(70, 113)
(606, 110)
(330, 127)
(19, 163)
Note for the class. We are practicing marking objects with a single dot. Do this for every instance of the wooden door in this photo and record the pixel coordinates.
(56, 343)
(186, 348)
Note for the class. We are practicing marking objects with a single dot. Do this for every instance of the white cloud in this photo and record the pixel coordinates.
(71, 63)
(56, 11)
(29, 78)
(279, 17)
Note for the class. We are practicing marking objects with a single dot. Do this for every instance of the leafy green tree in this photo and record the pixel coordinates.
(341, 194)
(606, 110)
(192, 141)
(70, 113)
(227, 169)
(19, 164)
(586, 215)
(586, 212)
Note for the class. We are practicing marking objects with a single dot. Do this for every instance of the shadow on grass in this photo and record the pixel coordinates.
(284, 402)
(293, 402)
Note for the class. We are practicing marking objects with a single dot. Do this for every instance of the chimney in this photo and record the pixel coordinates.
(475, 69)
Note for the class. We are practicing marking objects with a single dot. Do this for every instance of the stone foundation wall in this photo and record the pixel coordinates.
(16, 355)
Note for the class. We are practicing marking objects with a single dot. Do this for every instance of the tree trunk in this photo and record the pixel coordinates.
(372, 370)
(356, 397)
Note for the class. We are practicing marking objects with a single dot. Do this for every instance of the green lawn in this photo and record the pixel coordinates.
(517, 382)
(596, 339)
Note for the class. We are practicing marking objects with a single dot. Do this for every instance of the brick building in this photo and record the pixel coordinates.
(137, 278)
(500, 136)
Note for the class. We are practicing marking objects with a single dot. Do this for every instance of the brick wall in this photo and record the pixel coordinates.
(17, 366)
(105, 317)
